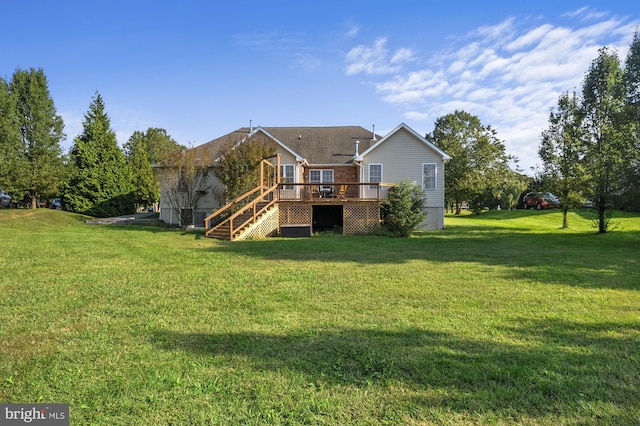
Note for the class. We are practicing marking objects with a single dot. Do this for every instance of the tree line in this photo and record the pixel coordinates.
(591, 147)
(590, 151)
(96, 177)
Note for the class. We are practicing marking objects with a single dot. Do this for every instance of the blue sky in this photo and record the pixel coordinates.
(201, 69)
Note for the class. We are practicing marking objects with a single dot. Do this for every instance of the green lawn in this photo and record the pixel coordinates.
(500, 319)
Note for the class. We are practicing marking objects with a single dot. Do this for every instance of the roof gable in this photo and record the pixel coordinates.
(401, 126)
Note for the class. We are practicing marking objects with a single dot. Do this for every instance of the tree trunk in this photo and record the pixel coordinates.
(565, 221)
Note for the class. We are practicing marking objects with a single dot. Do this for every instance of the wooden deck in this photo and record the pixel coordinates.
(354, 206)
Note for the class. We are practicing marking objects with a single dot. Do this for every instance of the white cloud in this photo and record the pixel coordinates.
(376, 59)
(508, 74)
(352, 31)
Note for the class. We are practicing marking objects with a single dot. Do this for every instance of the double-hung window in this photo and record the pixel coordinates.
(286, 174)
(375, 174)
(429, 174)
(322, 176)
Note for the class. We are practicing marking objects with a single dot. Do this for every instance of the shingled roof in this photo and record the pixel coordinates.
(317, 145)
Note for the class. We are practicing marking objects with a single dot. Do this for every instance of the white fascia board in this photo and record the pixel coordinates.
(279, 142)
(445, 157)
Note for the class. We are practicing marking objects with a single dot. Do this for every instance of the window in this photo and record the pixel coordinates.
(429, 176)
(199, 220)
(286, 174)
(375, 174)
(321, 176)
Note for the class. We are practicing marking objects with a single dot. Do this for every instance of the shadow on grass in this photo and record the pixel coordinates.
(554, 366)
(569, 258)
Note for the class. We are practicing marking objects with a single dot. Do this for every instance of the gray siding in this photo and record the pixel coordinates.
(205, 207)
(402, 156)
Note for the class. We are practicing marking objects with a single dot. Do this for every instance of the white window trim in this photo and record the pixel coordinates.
(381, 173)
(293, 174)
(435, 177)
(322, 172)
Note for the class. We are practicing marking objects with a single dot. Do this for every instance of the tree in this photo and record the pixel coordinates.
(12, 159)
(239, 166)
(39, 160)
(184, 180)
(607, 136)
(144, 179)
(99, 184)
(159, 144)
(513, 185)
(562, 152)
(404, 209)
(143, 150)
(632, 92)
(478, 161)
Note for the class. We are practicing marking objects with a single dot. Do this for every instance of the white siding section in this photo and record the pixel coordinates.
(402, 156)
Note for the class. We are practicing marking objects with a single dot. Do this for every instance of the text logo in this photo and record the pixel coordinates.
(34, 414)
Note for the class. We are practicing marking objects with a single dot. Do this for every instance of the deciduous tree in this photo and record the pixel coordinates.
(478, 162)
(562, 151)
(632, 87)
(607, 136)
(238, 168)
(184, 180)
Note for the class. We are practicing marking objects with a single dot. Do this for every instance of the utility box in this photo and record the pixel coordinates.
(296, 231)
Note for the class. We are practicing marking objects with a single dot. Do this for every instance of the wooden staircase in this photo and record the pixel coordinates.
(232, 221)
(224, 230)
(237, 218)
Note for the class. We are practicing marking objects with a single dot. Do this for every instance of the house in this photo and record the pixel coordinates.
(327, 178)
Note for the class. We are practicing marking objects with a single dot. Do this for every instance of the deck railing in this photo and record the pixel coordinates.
(335, 191)
(256, 201)
(246, 208)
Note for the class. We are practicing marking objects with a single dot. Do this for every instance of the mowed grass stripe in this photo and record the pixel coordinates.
(502, 318)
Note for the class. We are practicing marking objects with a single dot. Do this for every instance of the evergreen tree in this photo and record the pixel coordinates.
(403, 210)
(99, 184)
(144, 179)
(12, 159)
(39, 162)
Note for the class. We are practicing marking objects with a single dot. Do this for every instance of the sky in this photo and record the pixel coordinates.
(201, 69)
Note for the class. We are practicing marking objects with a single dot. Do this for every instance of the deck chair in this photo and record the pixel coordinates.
(342, 192)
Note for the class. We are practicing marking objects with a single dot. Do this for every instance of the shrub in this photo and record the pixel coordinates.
(404, 209)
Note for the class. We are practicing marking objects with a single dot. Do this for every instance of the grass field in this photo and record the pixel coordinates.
(502, 318)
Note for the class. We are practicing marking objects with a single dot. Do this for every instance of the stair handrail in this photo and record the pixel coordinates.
(256, 212)
(226, 207)
(251, 205)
